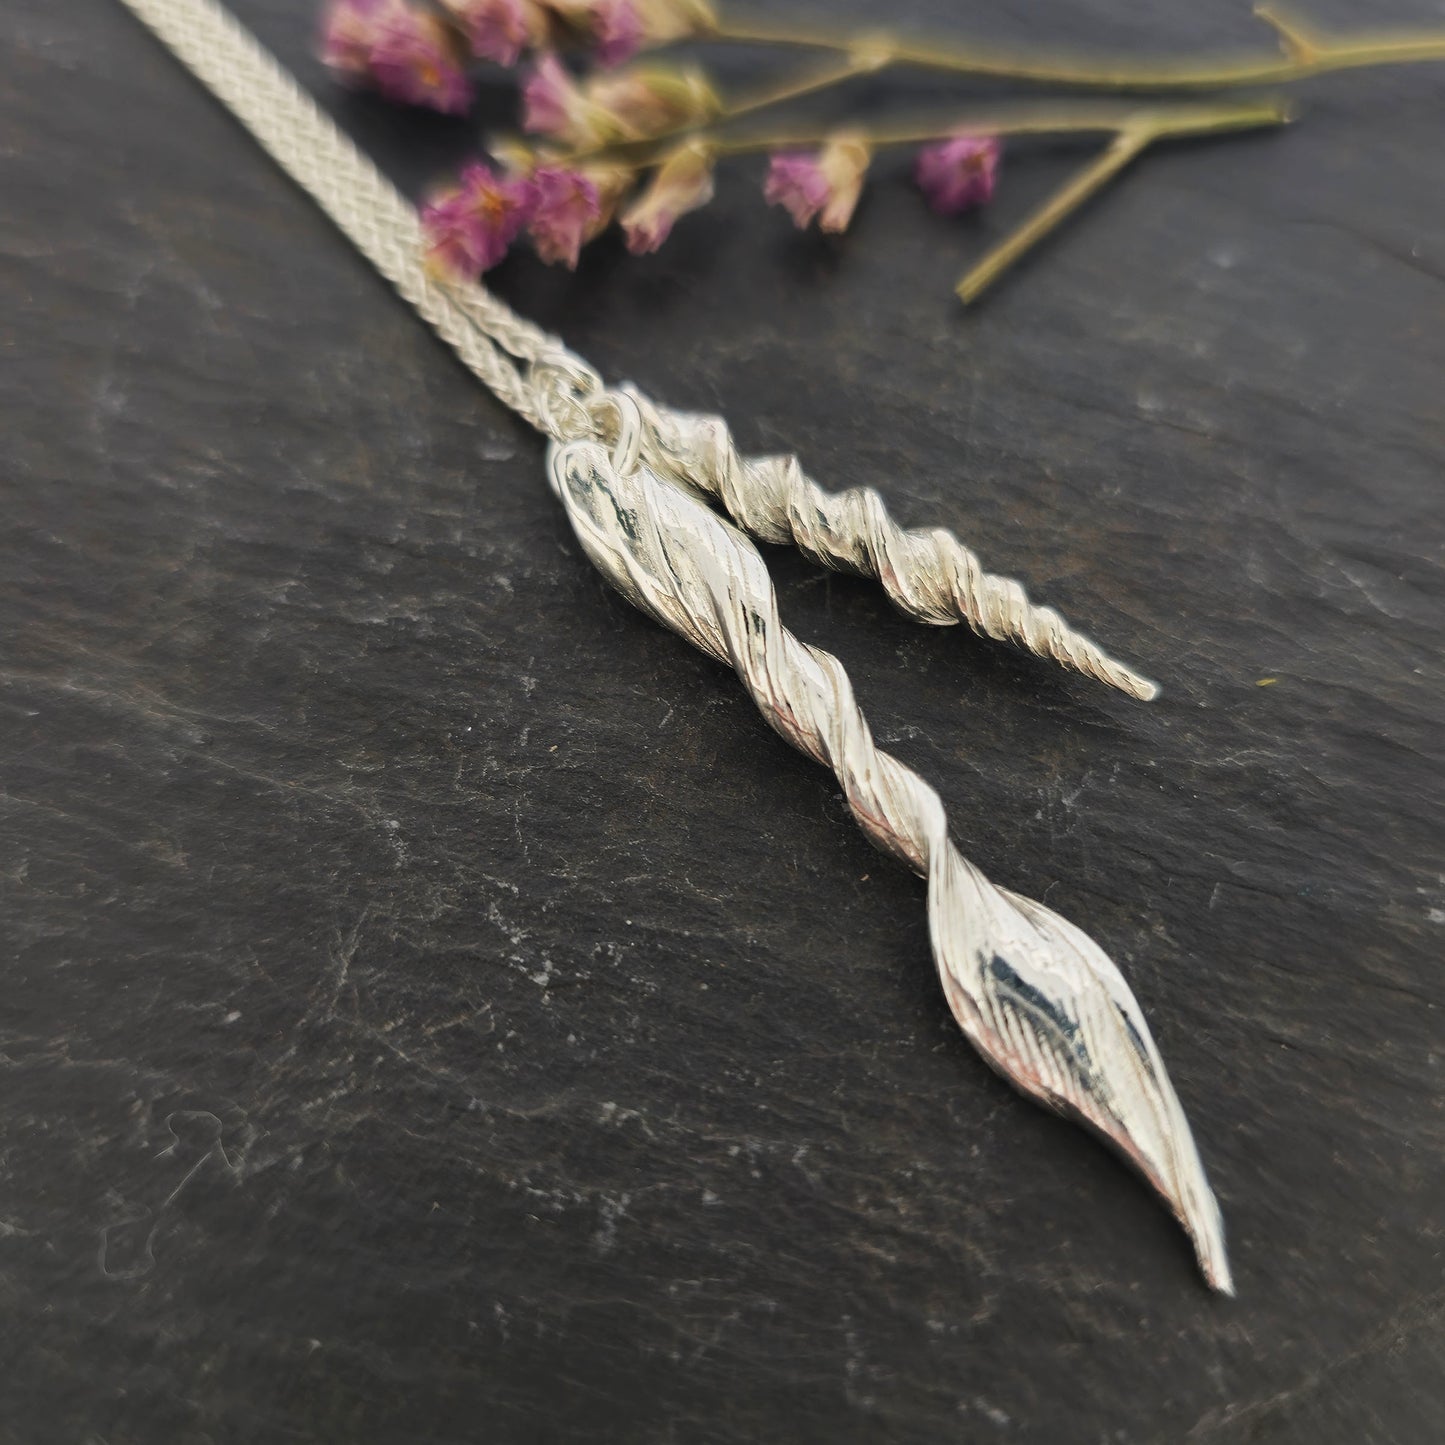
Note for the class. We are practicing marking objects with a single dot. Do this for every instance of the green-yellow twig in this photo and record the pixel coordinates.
(1306, 52)
(1131, 138)
(858, 63)
(1134, 127)
(1155, 121)
(1020, 118)
(1120, 151)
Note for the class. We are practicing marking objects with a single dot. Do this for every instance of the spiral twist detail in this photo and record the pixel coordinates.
(1039, 1000)
(928, 573)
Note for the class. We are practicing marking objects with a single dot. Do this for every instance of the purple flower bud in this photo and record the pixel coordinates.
(498, 30)
(470, 228)
(796, 181)
(617, 31)
(552, 103)
(958, 174)
(414, 61)
(827, 184)
(683, 183)
(349, 30)
(567, 209)
(407, 55)
(612, 29)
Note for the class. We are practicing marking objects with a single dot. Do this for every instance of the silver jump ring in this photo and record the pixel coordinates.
(563, 386)
(627, 447)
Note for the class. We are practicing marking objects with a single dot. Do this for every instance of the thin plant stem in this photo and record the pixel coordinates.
(1130, 141)
(1306, 52)
(855, 65)
(1093, 177)
(1019, 118)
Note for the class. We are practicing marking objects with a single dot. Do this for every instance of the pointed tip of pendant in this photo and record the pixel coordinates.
(1206, 1229)
(1217, 1276)
(1135, 684)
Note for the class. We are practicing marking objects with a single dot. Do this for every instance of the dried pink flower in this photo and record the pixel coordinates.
(415, 62)
(547, 97)
(626, 105)
(795, 180)
(826, 185)
(617, 31)
(498, 30)
(553, 105)
(470, 228)
(567, 208)
(406, 54)
(348, 35)
(649, 99)
(959, 173)
(682, 183)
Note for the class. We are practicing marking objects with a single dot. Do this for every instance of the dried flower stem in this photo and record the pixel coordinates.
(1153, 122)
(1120, 151)
(861, 63)
(1132, 138)
(1307, 52)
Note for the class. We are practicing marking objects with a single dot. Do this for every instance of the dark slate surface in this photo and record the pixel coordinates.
(437, 1009)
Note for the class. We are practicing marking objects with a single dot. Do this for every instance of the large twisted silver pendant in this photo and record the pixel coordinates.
(1039, 999)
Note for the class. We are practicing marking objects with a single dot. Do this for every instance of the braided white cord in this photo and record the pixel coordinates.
(374, 216)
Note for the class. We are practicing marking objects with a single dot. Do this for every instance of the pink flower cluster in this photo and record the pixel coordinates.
(471, 227)
(417, 54)
(562, 207)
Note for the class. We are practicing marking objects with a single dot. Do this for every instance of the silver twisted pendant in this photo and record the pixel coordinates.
(1038, 999)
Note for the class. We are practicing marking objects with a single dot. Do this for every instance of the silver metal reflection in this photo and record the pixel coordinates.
(1037, 998)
